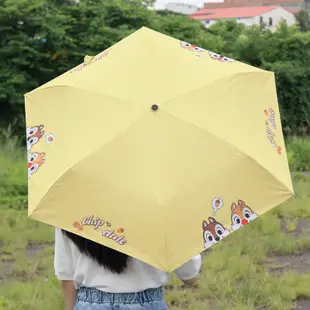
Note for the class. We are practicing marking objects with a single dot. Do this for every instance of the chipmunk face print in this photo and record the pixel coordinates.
(219, 57)
(35, 161)
(34, 134)
(192, 47)
(213, 232)
(241, 214)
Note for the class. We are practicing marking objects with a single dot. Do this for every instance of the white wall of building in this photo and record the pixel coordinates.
(274, 17)
(182, 8)
(271, 19)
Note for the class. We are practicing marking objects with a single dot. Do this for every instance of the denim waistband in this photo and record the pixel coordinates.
(92, 295)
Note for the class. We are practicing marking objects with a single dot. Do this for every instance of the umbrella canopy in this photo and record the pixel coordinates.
(156, 148)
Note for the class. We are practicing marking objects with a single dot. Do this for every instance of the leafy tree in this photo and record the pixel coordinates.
(288, 55)
(228, 32)
(29, 37)
(250, 45)
(185, 29)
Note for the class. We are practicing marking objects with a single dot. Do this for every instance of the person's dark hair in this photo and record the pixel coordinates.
(111, 259)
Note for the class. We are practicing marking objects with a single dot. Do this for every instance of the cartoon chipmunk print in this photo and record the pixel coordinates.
(241, 214)
(192, 47)
(219, 57)
(35, 161)
(34, 134)
(213, 232)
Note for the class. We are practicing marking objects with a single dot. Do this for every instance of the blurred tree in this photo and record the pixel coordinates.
(181, 27)
(30, 37)
(228, 32)
(288, 55)
(303, 20)
(293, 94)
(251, 44)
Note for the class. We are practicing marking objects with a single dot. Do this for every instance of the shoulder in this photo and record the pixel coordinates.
(58, 233)
(63, 246)
(60, 237)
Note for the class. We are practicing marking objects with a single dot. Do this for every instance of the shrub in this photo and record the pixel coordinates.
(13, 172)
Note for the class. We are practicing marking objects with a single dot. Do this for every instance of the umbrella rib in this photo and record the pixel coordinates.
(210, 84)
(234, 146)
(81, 159)
(80, 89)
(51, 188)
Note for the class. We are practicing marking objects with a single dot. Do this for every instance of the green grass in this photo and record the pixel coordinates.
(13, 172)
(298, 152)
(236, 273)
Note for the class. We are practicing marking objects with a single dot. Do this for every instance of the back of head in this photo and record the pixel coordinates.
(110, 259)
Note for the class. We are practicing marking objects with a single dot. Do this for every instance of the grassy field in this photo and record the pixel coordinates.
(265, 265)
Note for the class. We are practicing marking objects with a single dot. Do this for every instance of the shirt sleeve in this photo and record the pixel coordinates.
(63, 260)
(190, 269)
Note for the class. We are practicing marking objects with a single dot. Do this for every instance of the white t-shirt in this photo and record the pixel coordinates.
(71, 264)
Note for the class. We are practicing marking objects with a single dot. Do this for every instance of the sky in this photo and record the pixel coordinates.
(160, 4)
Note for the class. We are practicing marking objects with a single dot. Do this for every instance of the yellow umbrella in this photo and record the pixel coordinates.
(156, 148)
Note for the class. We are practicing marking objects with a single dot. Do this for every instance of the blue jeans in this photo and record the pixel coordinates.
(93, 299)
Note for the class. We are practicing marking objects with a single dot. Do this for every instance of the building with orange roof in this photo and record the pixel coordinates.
(292, 5)
(270, 16)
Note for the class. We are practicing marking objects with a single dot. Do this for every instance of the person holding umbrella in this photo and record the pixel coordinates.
(146, 155)
(95, 277)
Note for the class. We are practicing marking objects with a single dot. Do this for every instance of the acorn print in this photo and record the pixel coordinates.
(77, 225)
